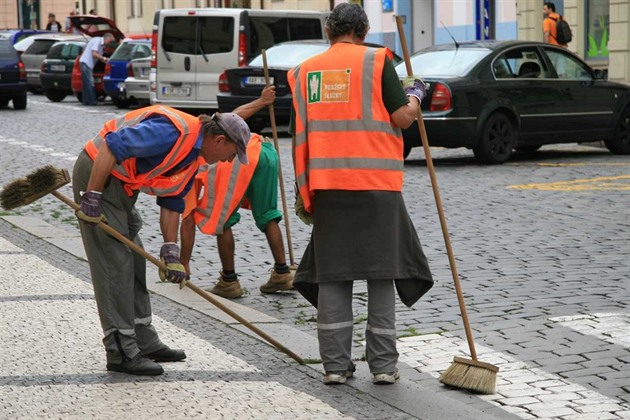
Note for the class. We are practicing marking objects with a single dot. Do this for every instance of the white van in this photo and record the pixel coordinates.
(192, 47)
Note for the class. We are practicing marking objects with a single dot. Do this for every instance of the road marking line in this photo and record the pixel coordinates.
(39, 148)
(604, 183)
(610, 327)
(522, 389)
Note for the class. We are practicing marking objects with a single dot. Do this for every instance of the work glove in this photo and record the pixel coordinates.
(175, 270)
(305, 217)
(414, 87)
(90, 210)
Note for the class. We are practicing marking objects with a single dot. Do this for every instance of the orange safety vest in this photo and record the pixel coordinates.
(154, 182)
(345, 138)
(224, 186)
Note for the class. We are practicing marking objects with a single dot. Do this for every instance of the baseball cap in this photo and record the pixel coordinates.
(237, 130)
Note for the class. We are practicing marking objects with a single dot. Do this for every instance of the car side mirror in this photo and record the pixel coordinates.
(599, 74)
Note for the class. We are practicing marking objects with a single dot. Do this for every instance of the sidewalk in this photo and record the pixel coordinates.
(52, 364)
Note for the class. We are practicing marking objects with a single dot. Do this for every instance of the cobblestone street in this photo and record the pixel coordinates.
(542, 245)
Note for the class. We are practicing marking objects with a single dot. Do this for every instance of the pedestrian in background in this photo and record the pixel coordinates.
(550, 22)
(69, 27)
(93, 51)
(53, 25)
(348, 153)
(155, 150)
(226, 187)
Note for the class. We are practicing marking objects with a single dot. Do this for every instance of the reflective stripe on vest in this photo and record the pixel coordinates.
(350, 144)
(224, 186)
(154, 182)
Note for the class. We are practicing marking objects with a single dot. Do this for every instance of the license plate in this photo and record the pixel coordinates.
(176, 91)
(257, 80)
(57, 67)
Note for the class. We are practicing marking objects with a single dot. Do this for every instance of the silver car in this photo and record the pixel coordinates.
(136, 87)
(36, 53)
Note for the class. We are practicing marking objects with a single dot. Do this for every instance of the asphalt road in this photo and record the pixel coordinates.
(541, 244)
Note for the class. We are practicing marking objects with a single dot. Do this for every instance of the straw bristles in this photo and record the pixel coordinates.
(13, 194)
(473, 378)
(24, 191)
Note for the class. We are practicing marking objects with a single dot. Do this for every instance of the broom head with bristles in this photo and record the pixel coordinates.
(472, 375)
(24, 191)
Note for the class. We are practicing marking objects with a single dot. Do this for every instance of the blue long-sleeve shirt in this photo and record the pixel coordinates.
(149, 142)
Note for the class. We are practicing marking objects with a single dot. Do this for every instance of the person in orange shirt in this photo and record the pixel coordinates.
(549, 24)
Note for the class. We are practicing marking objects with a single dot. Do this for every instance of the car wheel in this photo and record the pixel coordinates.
(121, 103)
(257, 125)
(406, 151)
(55, 95)
(19, 102)
(619, 144)
(532, 148)
(79, 96)
(497, 140)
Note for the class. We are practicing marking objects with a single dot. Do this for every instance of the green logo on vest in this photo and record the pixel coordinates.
(314, 89)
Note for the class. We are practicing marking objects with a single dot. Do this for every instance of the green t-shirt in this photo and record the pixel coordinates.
(394, 95)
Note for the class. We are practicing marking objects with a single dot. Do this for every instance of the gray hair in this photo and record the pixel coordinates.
(210, 126)
(348, 19)
(108, 35)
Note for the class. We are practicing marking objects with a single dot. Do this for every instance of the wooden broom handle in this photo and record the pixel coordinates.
(207, 296)
(438, 200)
(274, 130)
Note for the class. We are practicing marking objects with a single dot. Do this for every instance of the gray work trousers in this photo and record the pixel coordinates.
(335, 323)
(118, 273)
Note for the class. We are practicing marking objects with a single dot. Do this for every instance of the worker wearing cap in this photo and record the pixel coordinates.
(156, 150)
(226, 187)
(348, 154)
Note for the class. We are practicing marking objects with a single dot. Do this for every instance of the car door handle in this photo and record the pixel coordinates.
(187, 63)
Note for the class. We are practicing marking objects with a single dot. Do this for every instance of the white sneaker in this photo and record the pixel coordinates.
(332, 378)
(386, 378)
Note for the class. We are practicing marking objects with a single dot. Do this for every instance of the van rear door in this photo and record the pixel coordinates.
(176, 58)
(218, 36)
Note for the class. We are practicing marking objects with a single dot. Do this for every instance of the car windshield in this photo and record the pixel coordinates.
(289, 55)
(448, 63)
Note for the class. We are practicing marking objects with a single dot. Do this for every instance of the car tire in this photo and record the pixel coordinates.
(79, 96)
(257, 125)
(619, 144)
(497, 140)
(406, 151)
(121, 103)
(55, 95)
(4, 102)
(19, 102)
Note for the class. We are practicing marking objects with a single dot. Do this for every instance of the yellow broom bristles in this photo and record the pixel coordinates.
(473, 378)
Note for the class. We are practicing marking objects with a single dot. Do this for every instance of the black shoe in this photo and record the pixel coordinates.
(139, 365)
(167, 354)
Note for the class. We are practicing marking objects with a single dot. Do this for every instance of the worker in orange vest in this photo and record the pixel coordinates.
(226, 187)
(349, 106)
(154, 150)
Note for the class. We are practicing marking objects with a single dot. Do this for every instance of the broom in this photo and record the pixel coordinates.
(274, 130)
(470, 374)
(48, 179)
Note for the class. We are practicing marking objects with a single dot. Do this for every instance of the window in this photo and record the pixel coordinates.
(217, 34)
(40, 46)
(525, 63)
(597, 25)
(134, 8)
(267, 31)
(179, 34)
(567, 67)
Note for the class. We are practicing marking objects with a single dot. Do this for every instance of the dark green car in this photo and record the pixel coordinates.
(56, 71)
(498, 96)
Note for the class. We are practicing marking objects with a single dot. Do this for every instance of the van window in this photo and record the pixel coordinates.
(217, 34)
(179, 34)
(267, 31)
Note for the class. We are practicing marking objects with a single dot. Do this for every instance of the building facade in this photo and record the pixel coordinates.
(601, 28)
